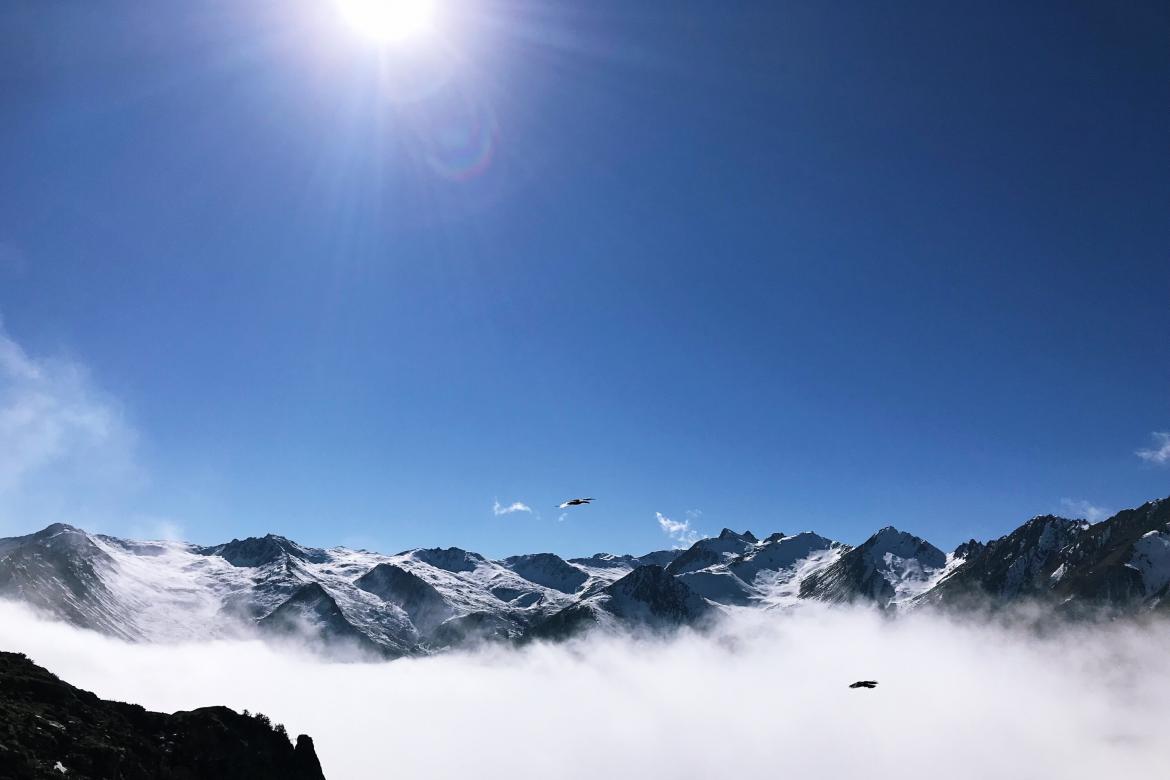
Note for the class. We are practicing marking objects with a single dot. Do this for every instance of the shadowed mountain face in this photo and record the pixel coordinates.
(48, 729)
(421, 601)
(1122, 564)
(648, 595)
(312, 615)
(257, 552)
(890, 565)
(548, 570)
(1013, 566)
(57, 570)
(709, 552)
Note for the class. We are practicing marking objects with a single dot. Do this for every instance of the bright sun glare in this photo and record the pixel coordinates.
(389, 21)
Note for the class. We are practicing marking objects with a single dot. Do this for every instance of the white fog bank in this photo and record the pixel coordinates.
(766, 696)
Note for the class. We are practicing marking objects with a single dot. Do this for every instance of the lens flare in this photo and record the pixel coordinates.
(461, 144)
(389, 21)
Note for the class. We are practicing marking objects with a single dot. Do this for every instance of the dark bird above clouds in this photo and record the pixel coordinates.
(864, 684)
(574, 502)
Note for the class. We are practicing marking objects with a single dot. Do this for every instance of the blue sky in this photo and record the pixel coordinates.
(777, 266)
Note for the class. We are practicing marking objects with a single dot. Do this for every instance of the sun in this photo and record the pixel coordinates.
(389, 21)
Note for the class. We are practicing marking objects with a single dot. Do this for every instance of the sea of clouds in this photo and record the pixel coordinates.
(763, 695)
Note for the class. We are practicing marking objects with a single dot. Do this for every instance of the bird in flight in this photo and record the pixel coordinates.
(574, 502)
(864, 684)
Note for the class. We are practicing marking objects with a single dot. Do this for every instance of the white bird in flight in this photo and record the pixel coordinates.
(574, 502)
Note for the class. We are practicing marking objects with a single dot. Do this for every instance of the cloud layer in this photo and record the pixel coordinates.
(764, 696)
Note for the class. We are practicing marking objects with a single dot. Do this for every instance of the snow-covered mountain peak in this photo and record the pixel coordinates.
(451, 559)
(746, 536)
(259, 551)
(548, 570)
(889, 543)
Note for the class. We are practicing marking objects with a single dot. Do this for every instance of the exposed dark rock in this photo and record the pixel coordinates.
(475, 627)
(452, 559)
(57, 570)
(313, 616)
(661, 558)
(50, 729)
(548, 570)
(649, 595)
(260, 551)
(708, 552)
(864, 573)
(1018, 565)
(1097, 566)
(425, 606)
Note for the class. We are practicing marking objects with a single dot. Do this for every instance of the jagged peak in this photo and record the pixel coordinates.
(1040, 523)
(902, 544)
(261, 550)
(968, 547)
(57, 528)
(453, 559)
(889, 533)
(650, 572)
(746, 536)
(61, 534)
(541, 557)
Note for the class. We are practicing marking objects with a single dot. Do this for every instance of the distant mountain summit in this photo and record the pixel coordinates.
(890, 567)
(427, 600)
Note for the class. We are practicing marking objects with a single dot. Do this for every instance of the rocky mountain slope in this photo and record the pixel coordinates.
(425, 600)
(49, 729)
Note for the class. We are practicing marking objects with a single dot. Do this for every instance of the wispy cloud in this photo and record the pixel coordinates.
(1159, 454)
(680, 532)
(516, 506)
(162, 529)
(65, 443)
(1083, 509)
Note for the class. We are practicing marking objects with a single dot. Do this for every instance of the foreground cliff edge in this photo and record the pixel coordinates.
(50, 729)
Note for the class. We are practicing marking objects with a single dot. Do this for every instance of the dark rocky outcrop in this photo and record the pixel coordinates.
(1018, 565)
(548, 570)
(50, 729)
(57, 570)
(260, 551)
(311, 615)
(709, 552)
(865, 574)
(452, 559)
(423, 604)
(473, 628)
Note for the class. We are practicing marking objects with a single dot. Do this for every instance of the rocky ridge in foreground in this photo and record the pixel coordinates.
(50, 729)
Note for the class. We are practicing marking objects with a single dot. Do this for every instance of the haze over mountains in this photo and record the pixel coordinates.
(423, 601)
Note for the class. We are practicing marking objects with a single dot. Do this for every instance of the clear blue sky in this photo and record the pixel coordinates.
(795, 265)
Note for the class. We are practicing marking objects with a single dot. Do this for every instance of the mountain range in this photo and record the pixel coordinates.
(423, 601)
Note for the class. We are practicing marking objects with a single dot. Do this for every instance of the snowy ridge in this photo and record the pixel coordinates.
(425, 600)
